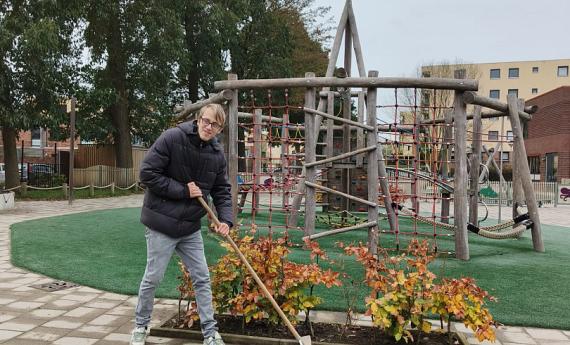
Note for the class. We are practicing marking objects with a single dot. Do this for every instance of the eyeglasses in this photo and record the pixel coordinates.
(215, 126)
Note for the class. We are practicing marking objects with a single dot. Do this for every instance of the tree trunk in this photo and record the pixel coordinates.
(10, 157)
(116, 68)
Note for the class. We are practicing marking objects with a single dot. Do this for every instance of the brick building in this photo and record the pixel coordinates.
(38, 148)
(548, 136)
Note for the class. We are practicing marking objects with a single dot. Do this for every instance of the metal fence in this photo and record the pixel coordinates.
(493, 192)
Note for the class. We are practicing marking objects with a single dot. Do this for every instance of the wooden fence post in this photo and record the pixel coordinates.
(24, 188)
(460, 178)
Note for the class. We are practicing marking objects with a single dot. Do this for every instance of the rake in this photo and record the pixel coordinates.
(305, 340)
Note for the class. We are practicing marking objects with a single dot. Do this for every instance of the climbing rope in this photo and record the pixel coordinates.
(491, 232)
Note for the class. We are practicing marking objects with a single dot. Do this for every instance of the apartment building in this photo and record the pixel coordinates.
(525, 79)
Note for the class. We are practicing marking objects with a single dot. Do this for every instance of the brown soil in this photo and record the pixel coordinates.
(323, 332)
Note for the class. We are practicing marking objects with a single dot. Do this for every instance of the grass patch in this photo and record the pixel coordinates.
(532, 288)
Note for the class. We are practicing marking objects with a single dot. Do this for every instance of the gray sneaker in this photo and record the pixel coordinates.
(215, 340)
(138, 336)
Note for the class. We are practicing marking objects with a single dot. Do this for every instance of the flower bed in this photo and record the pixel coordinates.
(234, 331)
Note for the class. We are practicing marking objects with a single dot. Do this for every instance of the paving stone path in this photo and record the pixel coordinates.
(85, 316)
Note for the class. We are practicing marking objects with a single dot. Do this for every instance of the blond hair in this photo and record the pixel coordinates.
(218, 110)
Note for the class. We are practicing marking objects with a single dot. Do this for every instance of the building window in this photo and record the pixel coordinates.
(36, 137)
(495, 94)
(510, 135)
(514, 92)
(426, 74)
(513, 72)
(505, 156)
(459, 73)
(562, 71)
(535, 70)
(495, 73)
(534, 91)
(493, 135)
(551, 167)
(534, 166)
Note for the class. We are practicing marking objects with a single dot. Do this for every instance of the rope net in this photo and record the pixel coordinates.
(417, 150)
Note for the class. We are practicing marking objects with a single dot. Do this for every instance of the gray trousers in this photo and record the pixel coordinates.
(160, 248)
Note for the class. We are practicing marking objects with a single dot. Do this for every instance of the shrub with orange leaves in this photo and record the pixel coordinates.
(403, 293)
(234, 289)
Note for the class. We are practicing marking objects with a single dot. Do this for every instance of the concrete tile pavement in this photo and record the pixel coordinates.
(83, 315)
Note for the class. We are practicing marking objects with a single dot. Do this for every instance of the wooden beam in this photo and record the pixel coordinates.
(243, 115)
(475, 162)
(524, 171)
(232, 158)
(359, 132)
(257, 140)
(339, 157)
(474, 98)
(344, 195)
(310, 152)
(339, 119)
(187, 109)
(426, 83)
(341, 230)
(356, 40)
(329, 149)
(460, 180)
(372, 168)
(445, 157)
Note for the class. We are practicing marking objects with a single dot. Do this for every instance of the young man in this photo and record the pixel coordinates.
(185, 162)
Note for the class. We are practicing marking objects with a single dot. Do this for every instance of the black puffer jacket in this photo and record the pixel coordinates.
(177, 157)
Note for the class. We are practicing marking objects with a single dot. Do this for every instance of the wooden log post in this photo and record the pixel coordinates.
(346, 138)
(475, 162)
(445, 157)
(329, 148)
(257, 161)
(518, 192)
(359, 132)
(285, 162)
(372, 168)
(460, 178)
(524, 172)
(310, 157)
(232, 158)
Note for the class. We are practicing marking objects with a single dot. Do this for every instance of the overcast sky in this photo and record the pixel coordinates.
(397, 36)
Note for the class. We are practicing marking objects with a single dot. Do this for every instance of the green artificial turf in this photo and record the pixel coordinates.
(106, 250)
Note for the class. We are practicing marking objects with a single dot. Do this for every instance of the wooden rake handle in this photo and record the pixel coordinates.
(252, 272)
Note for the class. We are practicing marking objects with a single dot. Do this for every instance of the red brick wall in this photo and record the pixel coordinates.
(40, 155)
(549, 129)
